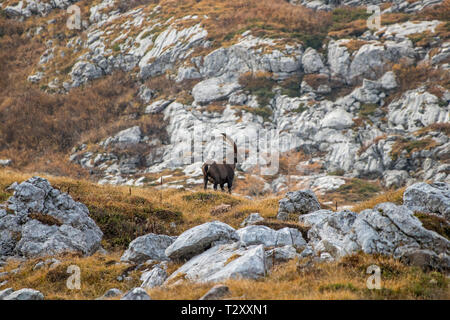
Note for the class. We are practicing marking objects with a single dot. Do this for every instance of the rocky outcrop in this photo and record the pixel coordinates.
(428, 198)
(150, 246)
(387, 229)
(297, 202)
(41, 220)
(199, 238)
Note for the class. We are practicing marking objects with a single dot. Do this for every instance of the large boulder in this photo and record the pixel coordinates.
(253, 235)
(41, 220)
(23, 294)
(221, 262)
(297, 202)
(150, 246)
(431, 198)
(198, 239)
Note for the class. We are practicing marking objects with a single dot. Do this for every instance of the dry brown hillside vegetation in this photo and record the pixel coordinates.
(124, 214)
(38, 127)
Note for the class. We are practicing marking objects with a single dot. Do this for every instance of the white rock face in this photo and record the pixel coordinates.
(280, 255)
(252, 219)
(402, 30)
(170, 46)
(337, 119)
(428, 198)
(125, 137)
(221, 262)
(416, 109)
(200, 238)
(151, 246)
(253, 235)
(299, 202)
(72, 231)
(213, 89)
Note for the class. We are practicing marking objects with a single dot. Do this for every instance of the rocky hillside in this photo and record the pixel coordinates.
(141, 87)
(218, 245)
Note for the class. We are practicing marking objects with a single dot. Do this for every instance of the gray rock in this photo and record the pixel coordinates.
(252, 219)
(5, 162)
(221, 262)
(337, 119)
(424, 197)
(67, 226)
(150, 246)
(252, 235)
(127, 137)
(157, 106)
(216, 293)
(213, 89)
(111, 293)
(427, 260)
(200, 238)
(312, 61)
(25, 294)
(154, 278)
(5, 293)
(310, 219)
(297, 202)
(395, 178)
(388, 81)
(280, 255)
(136, 294)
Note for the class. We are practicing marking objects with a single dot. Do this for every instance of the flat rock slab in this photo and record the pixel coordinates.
(221, 262)
(196, 240)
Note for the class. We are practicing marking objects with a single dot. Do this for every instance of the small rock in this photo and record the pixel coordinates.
(252, 219)
(200, 238)
(220, 209)
(136, 294)
(216, 293)
(111, 293)
(298, 202)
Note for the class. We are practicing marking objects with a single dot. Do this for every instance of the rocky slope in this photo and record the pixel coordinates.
(370, 104)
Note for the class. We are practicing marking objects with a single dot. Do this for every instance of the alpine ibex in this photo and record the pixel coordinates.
(220, 173)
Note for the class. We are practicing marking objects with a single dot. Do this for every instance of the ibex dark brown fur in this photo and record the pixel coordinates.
(220, 173)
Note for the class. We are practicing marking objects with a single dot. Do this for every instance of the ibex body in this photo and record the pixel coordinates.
(220, 173)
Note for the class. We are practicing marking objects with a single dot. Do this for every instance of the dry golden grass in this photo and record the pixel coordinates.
(394, 196)
(345, 279)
